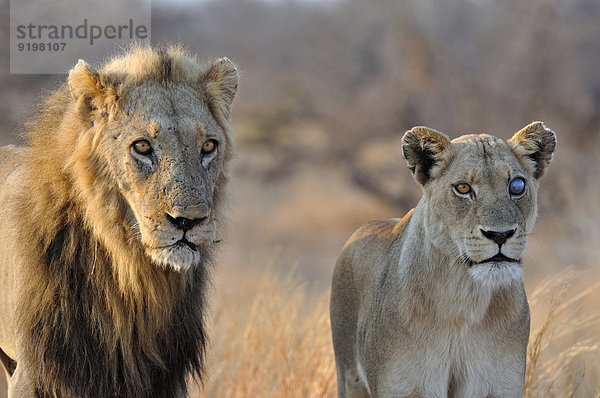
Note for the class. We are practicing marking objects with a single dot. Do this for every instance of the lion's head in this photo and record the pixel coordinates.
(154, 142)
(481, 195)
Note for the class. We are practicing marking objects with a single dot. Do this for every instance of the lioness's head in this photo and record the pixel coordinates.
(155, 143)
(480, 194)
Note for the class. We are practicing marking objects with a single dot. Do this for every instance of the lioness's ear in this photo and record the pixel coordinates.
(534, 143)
(422, 148)
(220, 83)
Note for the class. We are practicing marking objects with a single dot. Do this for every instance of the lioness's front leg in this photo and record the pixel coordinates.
(500, 376)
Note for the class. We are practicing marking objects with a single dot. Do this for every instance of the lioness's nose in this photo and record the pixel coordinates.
(184, 223)
(499, 237)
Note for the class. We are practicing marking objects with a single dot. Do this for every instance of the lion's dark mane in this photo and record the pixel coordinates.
(67, 335)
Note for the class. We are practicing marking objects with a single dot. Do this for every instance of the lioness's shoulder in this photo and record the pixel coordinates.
(366, 250)
(379, 232)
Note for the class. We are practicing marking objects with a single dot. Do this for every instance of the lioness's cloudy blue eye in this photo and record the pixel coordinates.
(516, 186)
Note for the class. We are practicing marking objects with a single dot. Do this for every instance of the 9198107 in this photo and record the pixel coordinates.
(41, 46)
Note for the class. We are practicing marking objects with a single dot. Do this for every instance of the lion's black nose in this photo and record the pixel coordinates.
(499, 237)
(184, 223)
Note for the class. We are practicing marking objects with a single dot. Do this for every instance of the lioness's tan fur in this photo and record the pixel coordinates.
(99, 294)
(416, 311)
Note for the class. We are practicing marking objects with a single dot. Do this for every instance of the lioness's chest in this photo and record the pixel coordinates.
(433, 361)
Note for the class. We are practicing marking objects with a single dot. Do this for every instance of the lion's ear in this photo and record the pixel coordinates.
(422, 148)
(84, 83)
(90, 90)
(220, 83)
(535, 143)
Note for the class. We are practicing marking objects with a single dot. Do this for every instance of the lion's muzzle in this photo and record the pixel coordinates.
(185, 223)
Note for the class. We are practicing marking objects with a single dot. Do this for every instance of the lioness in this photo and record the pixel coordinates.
(433, 305)
(111, 214)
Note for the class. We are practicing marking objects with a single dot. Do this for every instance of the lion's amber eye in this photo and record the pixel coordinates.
(142, 147)
(209, 146)
(463, 188)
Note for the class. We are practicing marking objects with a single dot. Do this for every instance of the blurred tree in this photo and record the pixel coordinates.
(360, 73)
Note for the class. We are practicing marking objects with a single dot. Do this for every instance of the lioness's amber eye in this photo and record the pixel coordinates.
(209, 146)
(142, 147)
(463, 188)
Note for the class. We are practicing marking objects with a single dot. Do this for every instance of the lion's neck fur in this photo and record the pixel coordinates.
(98, 317)
(442, 291)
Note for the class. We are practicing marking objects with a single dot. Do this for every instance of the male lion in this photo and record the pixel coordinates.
(111, 213)
(433, 305)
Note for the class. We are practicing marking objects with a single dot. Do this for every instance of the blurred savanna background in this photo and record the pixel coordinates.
(327, 88)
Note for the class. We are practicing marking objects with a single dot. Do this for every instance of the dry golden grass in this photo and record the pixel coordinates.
(563, 352)
(273, 340)
(276, 342)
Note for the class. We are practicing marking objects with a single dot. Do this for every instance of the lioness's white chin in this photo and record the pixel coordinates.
(496, 274)
(178, 257)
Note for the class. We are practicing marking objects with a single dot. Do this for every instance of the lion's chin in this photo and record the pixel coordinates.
(177, 257)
